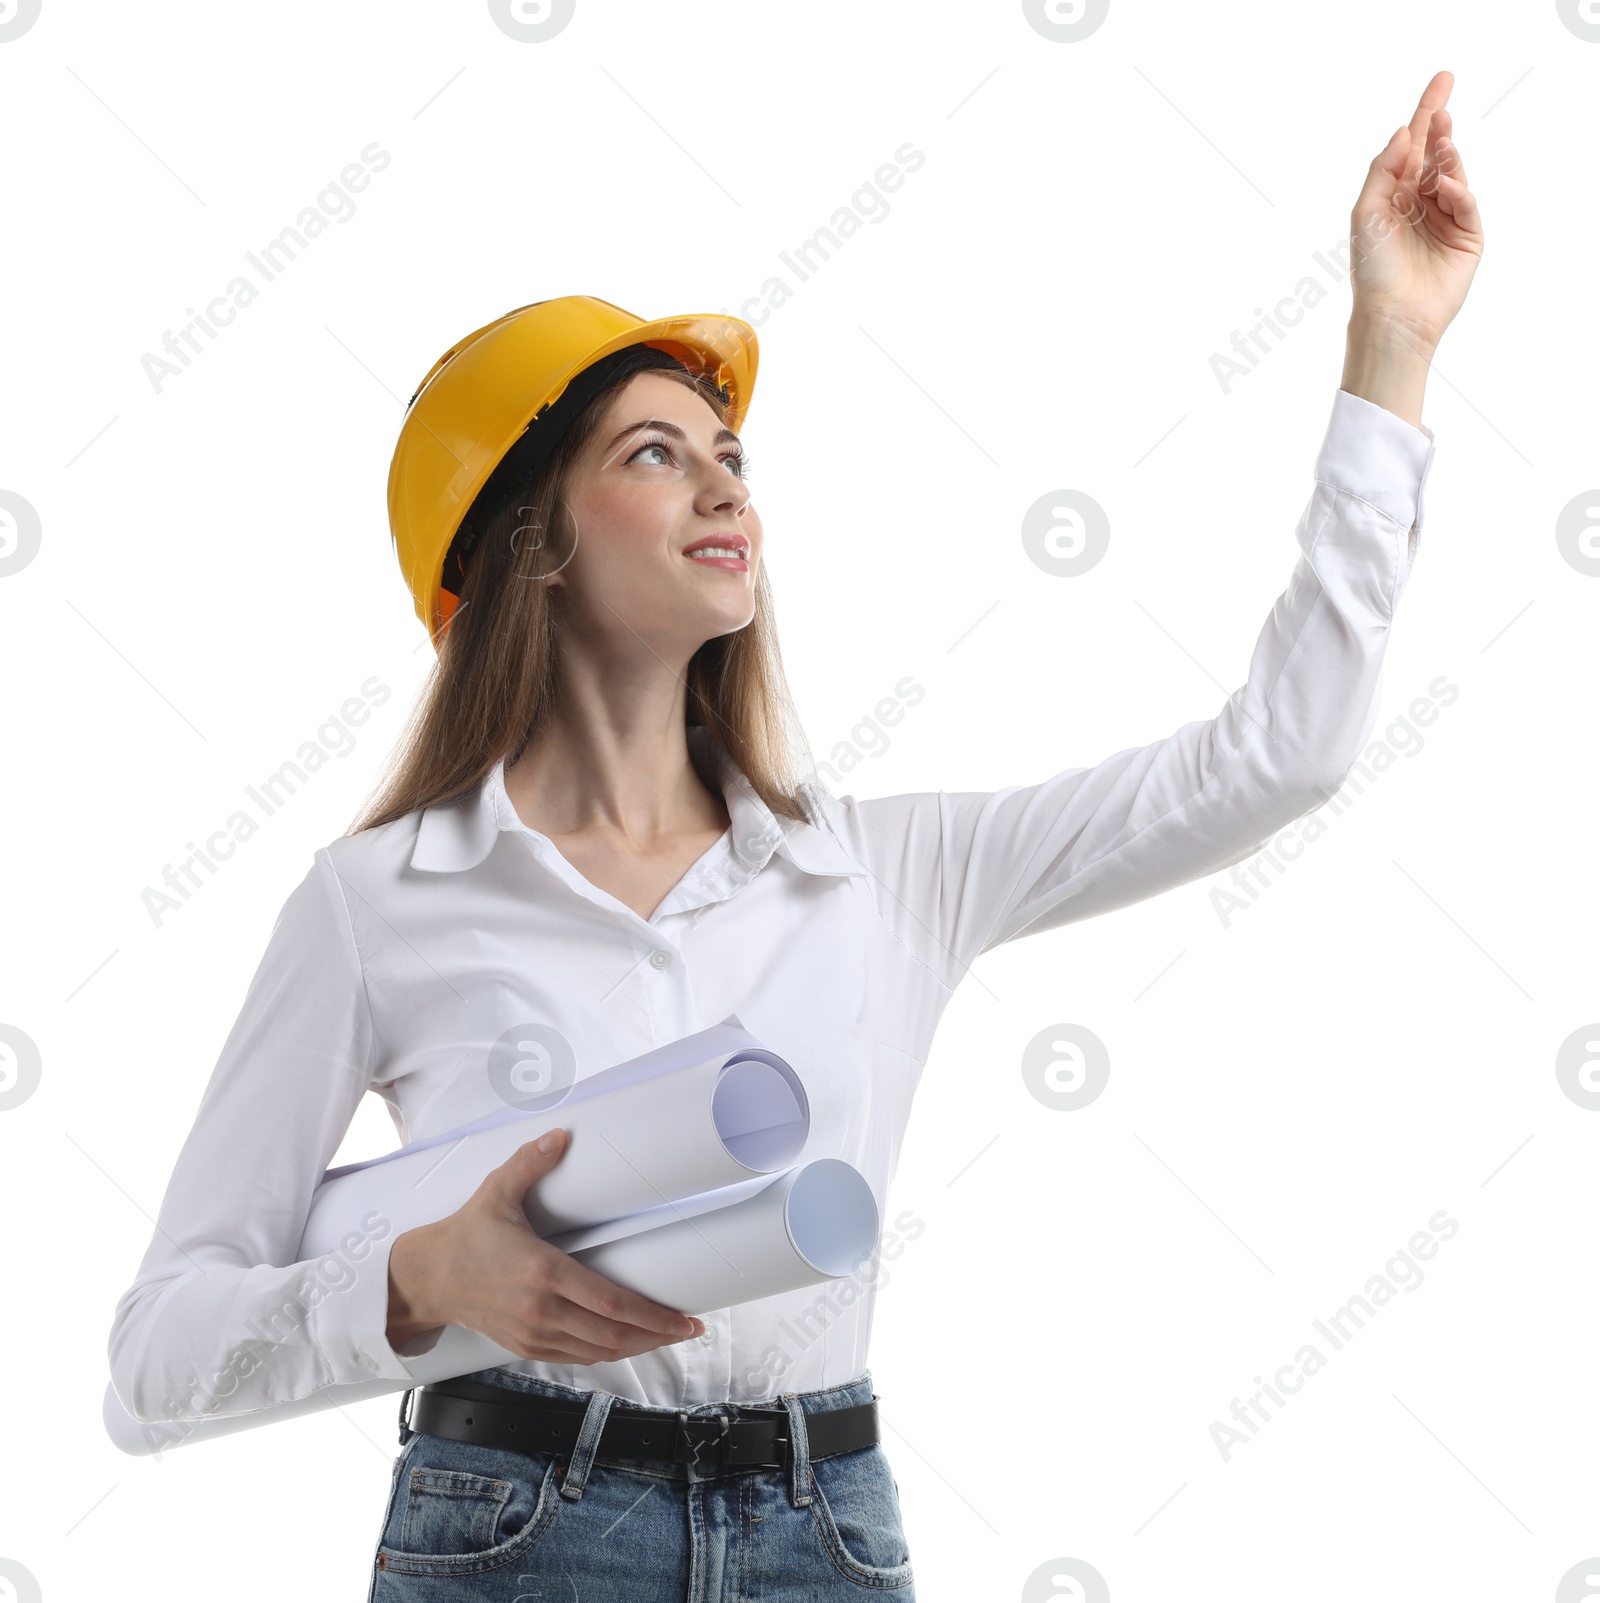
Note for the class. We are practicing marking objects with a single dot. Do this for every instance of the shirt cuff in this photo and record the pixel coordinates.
(1372, 453)
(352, 1324)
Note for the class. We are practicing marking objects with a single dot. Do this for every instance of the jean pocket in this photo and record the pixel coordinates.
(457, 1522)
(855, 1503)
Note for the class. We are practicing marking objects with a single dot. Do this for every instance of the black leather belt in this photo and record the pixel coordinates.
(498, 1416)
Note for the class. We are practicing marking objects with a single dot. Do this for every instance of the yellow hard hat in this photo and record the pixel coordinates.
(485, 415)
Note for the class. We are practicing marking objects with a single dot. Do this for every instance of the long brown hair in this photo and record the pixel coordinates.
(495, 679)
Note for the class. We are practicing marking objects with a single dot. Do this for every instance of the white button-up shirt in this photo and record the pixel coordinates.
(410, 950)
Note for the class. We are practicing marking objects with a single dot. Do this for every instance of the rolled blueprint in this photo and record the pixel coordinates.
(814, 1223)
(671, 1194)
(715, 1111)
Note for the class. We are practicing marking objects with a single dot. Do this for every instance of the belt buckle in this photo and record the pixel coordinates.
(688, 1448)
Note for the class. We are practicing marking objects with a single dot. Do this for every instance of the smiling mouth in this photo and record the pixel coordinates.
(718, 552)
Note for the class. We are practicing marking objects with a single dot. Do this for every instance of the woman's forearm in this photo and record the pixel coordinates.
(1388, 365)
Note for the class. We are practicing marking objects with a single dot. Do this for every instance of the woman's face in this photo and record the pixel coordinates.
(659, 475)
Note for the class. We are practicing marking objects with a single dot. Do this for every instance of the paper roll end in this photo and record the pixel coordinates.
(832, 1217)
(761, 1112)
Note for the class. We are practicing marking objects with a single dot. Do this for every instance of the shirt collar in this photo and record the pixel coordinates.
(452, 836)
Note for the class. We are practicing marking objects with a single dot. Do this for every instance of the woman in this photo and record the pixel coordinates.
(592, 845)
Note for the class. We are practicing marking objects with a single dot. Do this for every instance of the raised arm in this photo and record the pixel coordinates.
(959, 873)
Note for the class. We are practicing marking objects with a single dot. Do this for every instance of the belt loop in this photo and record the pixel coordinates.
(799, 1452)
(587, 1444)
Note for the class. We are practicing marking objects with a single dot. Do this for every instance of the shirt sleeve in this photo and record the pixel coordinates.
(1034, 857)
(223, 1317)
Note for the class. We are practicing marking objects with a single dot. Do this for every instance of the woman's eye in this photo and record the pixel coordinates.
(737, 463)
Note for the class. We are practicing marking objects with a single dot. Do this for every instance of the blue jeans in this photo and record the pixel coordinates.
(465, 1521)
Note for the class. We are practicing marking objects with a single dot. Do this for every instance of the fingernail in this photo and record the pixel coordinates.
(549, 1140)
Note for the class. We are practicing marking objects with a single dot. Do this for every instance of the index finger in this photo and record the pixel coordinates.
(1433, 99)
(582, 1285)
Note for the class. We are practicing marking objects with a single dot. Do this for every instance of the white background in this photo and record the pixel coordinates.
(1292, 1096)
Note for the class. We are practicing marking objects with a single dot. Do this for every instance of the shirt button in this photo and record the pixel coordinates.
(367, 1362)
(660, 959)
(709, 1336)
